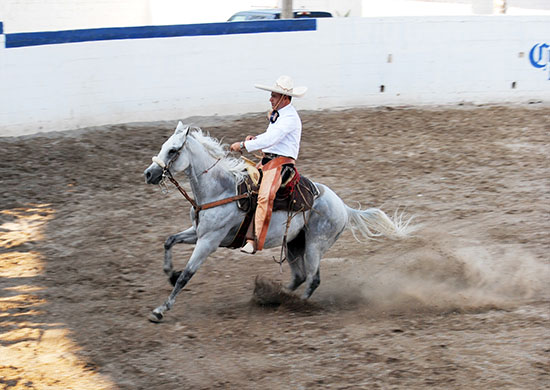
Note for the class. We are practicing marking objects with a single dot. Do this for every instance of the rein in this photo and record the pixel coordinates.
(166, 173)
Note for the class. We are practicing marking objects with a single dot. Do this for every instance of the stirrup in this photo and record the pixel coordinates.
(249, 248)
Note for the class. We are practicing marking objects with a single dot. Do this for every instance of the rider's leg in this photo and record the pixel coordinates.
(268, 189)
(271, 181)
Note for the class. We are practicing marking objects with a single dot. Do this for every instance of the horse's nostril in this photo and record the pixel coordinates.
(148, 176)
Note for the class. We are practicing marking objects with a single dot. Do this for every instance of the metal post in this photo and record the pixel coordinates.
(504, 7)
(286, 11)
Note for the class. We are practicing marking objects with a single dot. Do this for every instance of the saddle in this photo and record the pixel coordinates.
(296, 194)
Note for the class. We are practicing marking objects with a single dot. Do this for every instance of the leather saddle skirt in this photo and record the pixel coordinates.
(297, 193)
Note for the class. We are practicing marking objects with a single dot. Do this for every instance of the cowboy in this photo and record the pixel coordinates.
(280, 144)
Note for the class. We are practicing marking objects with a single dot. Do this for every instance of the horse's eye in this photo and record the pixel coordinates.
(172, 151)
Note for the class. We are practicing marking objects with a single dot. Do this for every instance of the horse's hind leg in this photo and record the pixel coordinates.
(297, 270)
(327, 222)
(188, 236)
(315, 248)
(295, 259)
(312, 262)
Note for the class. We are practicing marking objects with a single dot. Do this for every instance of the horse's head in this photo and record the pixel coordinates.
(170, 156)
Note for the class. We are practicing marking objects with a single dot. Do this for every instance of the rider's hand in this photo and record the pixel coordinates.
(235, 147)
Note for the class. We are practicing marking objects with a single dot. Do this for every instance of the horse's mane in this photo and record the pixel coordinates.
(218, 150)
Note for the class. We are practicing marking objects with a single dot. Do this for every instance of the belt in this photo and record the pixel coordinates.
(271, 156)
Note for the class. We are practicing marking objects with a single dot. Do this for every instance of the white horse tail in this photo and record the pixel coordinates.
(373, 222)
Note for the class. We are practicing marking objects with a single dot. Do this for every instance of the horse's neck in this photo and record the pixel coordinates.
(208, 181)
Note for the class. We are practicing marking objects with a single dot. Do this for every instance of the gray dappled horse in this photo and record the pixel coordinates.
(213, 175)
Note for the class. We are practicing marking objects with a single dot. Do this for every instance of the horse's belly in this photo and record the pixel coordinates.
(278, 226)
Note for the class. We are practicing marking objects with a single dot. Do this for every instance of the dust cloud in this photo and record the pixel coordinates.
(439, 271)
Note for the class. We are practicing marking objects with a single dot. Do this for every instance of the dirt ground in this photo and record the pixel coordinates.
(463, 304)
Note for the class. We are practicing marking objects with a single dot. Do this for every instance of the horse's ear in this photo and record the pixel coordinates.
(181, 128)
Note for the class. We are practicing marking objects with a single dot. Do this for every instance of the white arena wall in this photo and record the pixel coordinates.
(128, 75)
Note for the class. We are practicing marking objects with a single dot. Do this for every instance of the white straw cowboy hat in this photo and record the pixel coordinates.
(285, 86)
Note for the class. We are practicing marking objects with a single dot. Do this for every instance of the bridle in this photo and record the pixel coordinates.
(167, 174)
(166, 167)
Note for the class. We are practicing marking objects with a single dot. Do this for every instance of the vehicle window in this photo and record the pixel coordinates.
(276, 14)
(237, 18)
(258, 17)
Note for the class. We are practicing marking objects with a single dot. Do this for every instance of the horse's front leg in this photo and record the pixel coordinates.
(188, 236)
(205, 246)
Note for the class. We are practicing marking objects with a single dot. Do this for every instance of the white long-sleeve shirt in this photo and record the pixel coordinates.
(281, 137)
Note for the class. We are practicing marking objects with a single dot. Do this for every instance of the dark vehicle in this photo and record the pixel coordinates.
(271, 14)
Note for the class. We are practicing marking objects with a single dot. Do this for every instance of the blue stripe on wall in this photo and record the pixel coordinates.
(1, 28)
(184, 30)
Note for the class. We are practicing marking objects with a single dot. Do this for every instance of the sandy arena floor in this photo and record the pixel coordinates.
(465, 304)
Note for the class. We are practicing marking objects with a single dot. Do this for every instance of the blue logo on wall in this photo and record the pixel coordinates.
(540, 57)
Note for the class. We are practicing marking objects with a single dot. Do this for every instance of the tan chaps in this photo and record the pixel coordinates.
(271, 181)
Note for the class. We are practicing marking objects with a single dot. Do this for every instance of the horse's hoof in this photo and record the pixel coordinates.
(155, 317)
(174, 277)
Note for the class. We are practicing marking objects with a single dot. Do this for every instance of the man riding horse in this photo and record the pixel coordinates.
(280, 144)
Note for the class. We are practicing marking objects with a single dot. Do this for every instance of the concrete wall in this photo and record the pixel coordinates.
(48, 85)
